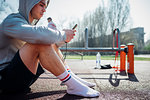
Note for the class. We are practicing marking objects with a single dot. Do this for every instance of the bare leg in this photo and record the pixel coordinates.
(59, 53)
(89, 84)
(31, 54)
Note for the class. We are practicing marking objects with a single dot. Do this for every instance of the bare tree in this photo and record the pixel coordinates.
(104, 20)
(61, 23)
(7, 8)
(101, 24)
(118, 13)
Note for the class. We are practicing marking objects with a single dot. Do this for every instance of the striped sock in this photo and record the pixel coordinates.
(64, 77)
(75, 87)
(68, 70)
(89, 84)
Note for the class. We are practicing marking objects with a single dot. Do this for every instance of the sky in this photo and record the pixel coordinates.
(68, 10)
(71, 9)
(141, 15)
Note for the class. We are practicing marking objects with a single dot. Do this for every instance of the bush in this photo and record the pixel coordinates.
(147, 47)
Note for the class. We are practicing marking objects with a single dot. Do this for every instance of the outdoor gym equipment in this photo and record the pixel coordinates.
(122, 49)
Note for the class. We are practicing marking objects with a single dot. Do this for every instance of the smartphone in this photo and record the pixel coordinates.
(74, 27)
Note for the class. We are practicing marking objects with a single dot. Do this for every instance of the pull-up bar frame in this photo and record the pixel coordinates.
(102, 49)
(129, 50)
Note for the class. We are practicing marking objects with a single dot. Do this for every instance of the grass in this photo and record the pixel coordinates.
(142, 59)
(104, 57)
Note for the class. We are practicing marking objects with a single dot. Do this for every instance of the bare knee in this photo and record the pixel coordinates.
(44, 48)
(30, 53)
(35, 48)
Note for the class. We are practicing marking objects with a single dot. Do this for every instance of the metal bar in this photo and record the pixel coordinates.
(118, 38)
(87, 49)
(118, 32)
(92, 49)
(130, 57)
(122, 59)
(86, 38)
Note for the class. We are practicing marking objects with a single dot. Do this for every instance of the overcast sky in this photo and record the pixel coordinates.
(72, 9)
(141, 15)
(69, 9)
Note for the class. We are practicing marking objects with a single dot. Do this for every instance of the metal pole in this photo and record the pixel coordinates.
(86, 38)
(92, 49)
(87, 49)
(122, 59)
(130, 58)
(114, 34)
(118, 38)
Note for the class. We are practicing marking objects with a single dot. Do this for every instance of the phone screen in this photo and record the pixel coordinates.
(74, 27)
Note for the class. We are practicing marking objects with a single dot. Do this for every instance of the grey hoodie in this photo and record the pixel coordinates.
(16, 30)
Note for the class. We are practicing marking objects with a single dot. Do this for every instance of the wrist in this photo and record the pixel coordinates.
(65, 42)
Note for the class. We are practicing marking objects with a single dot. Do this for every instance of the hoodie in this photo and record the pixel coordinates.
(15, 30)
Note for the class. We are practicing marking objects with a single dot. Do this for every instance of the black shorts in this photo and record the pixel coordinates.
(17, 77)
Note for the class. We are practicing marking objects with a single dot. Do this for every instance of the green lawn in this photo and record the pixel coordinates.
(103, 57)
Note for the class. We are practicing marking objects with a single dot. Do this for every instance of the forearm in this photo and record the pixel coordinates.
(60, 44)
(35, 35)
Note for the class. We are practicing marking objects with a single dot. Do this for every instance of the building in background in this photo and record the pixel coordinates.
(136, 36)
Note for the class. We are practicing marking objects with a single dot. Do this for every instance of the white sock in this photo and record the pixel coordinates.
(89, 84)
(75, 87)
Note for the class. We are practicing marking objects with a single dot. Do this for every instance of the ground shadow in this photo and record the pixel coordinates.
(47, 93)
(72, 97)
(132, 78)
(18, 96)
(110, 74)
(28, 96)
(114, 81)
(85, 73)
(123, 73)
(61, 95)
(82, 78)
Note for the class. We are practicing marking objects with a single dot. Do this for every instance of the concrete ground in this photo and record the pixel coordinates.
(111, 86)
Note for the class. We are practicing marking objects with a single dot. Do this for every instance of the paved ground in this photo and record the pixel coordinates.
(145, 56)
(111, 86)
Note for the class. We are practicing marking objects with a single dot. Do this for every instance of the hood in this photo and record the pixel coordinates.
(25, 7)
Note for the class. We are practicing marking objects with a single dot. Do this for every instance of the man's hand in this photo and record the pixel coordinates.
(69, 34)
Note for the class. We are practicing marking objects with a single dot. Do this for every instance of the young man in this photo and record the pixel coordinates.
(51, 23)
(26, 49)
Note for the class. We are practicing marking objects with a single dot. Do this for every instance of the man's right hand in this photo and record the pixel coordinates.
(69, 34)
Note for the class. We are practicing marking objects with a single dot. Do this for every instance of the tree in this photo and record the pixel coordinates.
(118, 14)
(7, 8)
(104, 20)
(147, 47)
